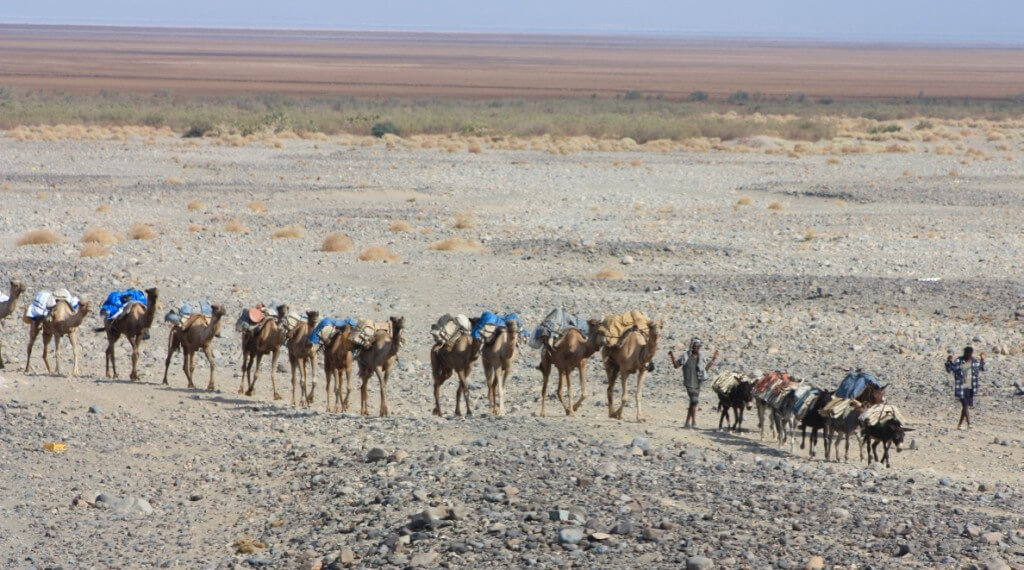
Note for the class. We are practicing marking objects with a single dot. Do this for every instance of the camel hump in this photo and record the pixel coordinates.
(195, 319)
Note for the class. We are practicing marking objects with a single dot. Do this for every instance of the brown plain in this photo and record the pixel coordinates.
(214, 62)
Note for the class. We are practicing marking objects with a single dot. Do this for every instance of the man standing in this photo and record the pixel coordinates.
(695, 372)
(960, 368)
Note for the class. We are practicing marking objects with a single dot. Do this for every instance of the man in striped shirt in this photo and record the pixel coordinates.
(960, 368)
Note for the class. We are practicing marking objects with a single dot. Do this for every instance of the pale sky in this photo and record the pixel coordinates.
(959, 21)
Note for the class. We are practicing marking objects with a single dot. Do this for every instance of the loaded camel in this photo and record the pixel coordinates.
(195, 333)
(302, 352)
(379, 359)
(7, 307)
(134, 325)
(630, 356)
(259, 341)
(496, 359)
(62, 321)
(571, 352)
(456, 357)
(338, 367)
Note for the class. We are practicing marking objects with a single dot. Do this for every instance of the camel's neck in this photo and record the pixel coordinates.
(77, 317)
(396, 338)
(147, 317)
(215, 324)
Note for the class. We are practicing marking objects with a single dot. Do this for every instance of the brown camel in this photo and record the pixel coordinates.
(195, 333)
(458, 358)
(338, 367)
(264, 339)
(62, 321)
(630, 356)
(379, 359)
(496, 359)
(570, 352)
(302, 352)
(7, 307)
(134, 325)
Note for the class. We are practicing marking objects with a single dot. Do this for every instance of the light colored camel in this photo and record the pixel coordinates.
(497, 358)
(195, 333)
(630, 356)
(7, 307)
(62, 321)
(134, 325)
(571, 352)
(266, 339)
(379, 359)
(302, 352)
(338, 367)
(458, 358)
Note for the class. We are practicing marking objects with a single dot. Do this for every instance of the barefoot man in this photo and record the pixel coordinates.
(695, 372)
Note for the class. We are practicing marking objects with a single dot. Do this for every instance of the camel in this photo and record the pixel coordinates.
(629, 357)
(7, 307)
(458, 358)
(379, 359)
(496, 359)
(134, 325)
(302, 351)
(338, 367)
(62, 321)
(265, 338)
(193, 334)
(570, 352)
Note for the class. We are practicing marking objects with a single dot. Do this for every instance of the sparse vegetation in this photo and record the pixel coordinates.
(465, 220)
(194, 228)
(744, 201)
(41, 236)
(94, 250)
(457, 244)
(141, 231)
(775, 206)
(379, 253)
(399, 226)
(883, 129)
(386, 128)
(337, 242)
(194, 205)
(609, 273)
(102, 208)
(236, 227)
(288, 232)
(258, 207)
(101, 236)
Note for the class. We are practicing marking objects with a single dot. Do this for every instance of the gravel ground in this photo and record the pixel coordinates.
(884, 261)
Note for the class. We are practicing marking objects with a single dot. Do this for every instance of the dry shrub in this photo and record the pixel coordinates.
(102, 208)
(278, 144)
(94, 249)
(258, 207)
(775, 206)
(636, 163)
(994, 136)
(465, 220)
(236, 227)
(399, 226)
(379, 253)
(288, 232)
(810, 235)
(175, 181)
(833, 160)
(41, 236)
(101, 236)
(247, 545)
(194, 228)
(900, 148)
(744, 201)
(42, 195)
(456, 244)
(337, 242)
(141, 231)
(944, 149)
(954, 173)
(474, 148)
(195, 205)
(609, 273)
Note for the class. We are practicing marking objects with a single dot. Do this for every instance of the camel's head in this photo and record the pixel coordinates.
(16, 288)
(312, 318)
(282, 311)
(398, 322)
(83, 308)
(218, 310)
(152, 293)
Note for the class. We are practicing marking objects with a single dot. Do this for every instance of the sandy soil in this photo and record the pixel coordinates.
(882, 261)
(217, 62)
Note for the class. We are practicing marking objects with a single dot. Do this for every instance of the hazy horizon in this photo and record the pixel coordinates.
(912, 21)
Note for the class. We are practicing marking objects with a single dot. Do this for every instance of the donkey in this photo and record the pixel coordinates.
(814, 420)
(887, 433)
(737, 399)
(842, 426)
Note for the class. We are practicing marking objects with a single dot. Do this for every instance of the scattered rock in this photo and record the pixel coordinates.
(376, 454)
(570, 535)
(699, 563)
(815, 563)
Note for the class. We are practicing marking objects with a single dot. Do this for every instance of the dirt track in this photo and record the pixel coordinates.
(215, 62)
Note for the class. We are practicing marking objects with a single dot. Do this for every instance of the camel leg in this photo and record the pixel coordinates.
(611, 393)
(490, 379)
(73, 339)
(464, 382)
(327, 386)
(292, 362)
(346, 372)
(623, 378)
(364, 408)
(273, 374)
(312, 377)
(501, 390)
(111, 370)
(245, 370)
(33, 332)
(208, 351)
(545, 374)
(136, 343)
(254, 375)
(458, 395)
(170, 353)
(46, 352)
(437, 398)
(583, 384)
(191, 368)
(640, 395)
(383, 379)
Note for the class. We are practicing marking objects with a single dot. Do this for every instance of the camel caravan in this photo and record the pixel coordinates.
(626, 344)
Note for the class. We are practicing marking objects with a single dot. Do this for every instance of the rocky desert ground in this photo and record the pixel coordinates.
(810, 264)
